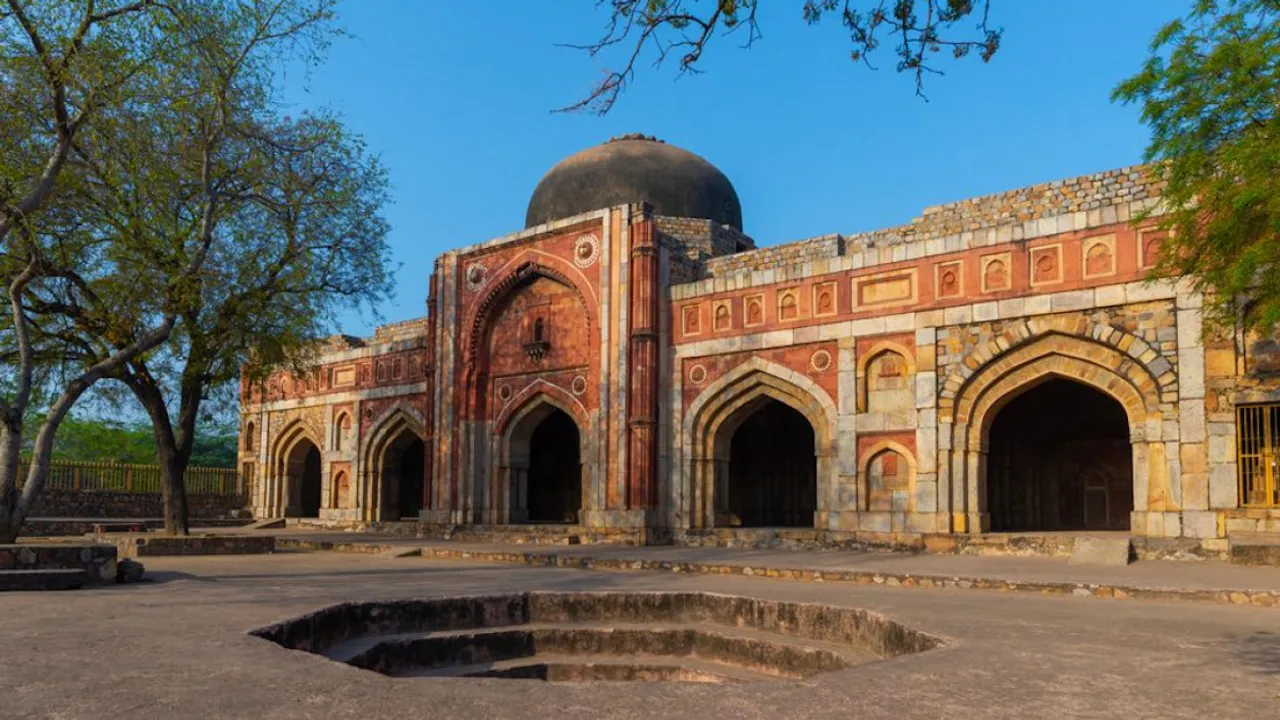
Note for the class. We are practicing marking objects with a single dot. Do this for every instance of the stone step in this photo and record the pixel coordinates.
(1249, 549)
(1112, 551)
(267, 524)
(759, 653)
(43, 579)
(586, 668)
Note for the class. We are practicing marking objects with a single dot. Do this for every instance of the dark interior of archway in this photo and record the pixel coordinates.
(1059, 459)
(309, 490)
(412, 472)
(555, 470)
(772, 470)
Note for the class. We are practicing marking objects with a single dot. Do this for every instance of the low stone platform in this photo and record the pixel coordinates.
(136, 545)
(56, 566)
(534, 534)
(77, 527)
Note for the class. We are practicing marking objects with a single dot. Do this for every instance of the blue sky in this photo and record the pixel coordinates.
(456, 97)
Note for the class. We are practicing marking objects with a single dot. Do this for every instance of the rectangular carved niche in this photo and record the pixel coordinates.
(1098, 256)
(788, 304)
(691, 320)
(1046, 264)
(896, 287)
(721, 316)
(753, 310)
(824, 298)
(996, 272)
(948, 279)
(1149, 240)
(344, 376)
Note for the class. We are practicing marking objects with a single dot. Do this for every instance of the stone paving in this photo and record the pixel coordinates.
(177, 647)
(1210, 581)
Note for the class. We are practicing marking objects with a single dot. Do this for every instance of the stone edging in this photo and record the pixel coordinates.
(1259, 598)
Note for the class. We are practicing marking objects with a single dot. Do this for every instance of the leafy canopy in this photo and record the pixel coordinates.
(1210, 92)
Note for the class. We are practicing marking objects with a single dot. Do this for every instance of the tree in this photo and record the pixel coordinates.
(308, 239)
(1210, 92)
(920, 30)
(61, 65)
(291, 207)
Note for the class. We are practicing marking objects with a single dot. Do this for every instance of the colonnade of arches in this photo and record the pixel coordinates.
(1050, 433)
(391, 482)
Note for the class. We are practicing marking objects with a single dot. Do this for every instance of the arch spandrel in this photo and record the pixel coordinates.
(531, 405)
(749, 382)
(1109, 368)
(1070, 335)
(527, 265)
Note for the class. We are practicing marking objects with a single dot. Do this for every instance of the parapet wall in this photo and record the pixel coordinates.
(1022, 214)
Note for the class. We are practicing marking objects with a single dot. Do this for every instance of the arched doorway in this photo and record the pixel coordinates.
(303, 471)
(1060, 459)
(772, 469)
(403, 475)
(412, 475)
(555, 470)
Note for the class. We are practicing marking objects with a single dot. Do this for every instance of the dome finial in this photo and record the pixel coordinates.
(637, 136)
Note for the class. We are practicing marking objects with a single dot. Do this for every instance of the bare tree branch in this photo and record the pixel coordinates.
(922, 28)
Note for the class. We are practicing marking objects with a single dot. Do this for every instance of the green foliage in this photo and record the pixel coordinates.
(106, 440)
(1210, 93)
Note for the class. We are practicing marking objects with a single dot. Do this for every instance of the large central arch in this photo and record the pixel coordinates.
(969, 406)
(718, 412)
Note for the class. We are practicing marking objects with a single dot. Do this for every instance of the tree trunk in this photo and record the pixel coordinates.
(173, 469)
(173, 445)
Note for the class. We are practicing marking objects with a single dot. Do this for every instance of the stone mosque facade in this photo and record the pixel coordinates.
(630, 368)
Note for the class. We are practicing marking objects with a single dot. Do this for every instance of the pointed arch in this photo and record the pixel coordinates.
(720, 409)
(340, 434)
(1131, 353)
(513, 447)
(863, 379)
(540, 391)
(393, 432)
(526, 266)
(873, 453)
(287, 458)
(1043, 352)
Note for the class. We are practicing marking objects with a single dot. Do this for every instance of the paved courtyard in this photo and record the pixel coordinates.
(177, 647)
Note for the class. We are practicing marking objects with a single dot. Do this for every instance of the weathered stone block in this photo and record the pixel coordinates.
(1219, 362)
(1115, 552)
(1200, 524)
(1223, 487)
(1191, 421)
(1195, 490)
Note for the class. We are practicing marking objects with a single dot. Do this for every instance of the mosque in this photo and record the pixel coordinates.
(631, 368)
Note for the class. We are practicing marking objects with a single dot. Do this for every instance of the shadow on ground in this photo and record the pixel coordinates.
(1261, 651)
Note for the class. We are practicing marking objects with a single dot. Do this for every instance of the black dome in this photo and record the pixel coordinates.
(635, 168)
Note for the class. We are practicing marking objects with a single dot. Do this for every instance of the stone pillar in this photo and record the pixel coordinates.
(978, 519)
(642, 404)
(428, 412)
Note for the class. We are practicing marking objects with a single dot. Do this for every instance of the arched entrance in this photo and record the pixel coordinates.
(303, 473)
(786, 453)
(555, 470)
(1107, 361)
(403, 474)
(1060, 459)
(772, 469)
